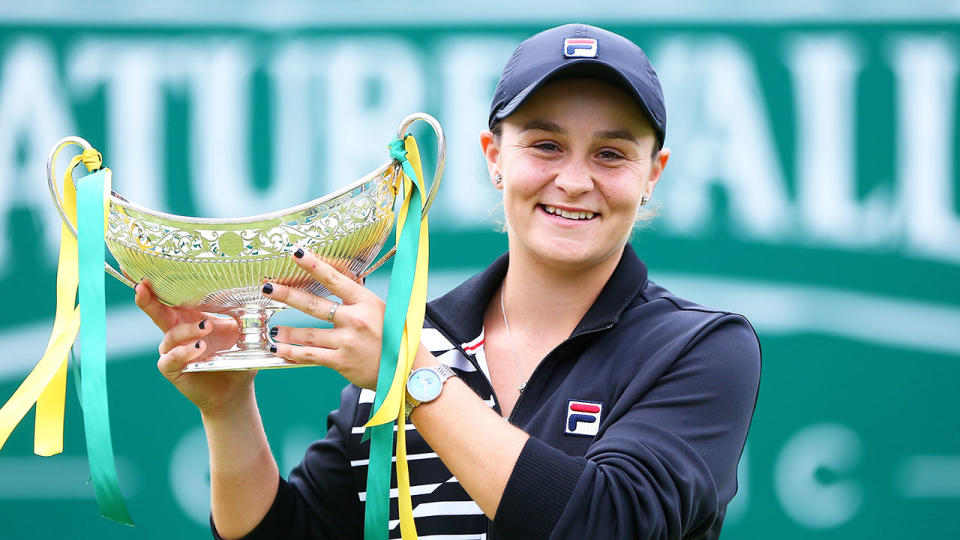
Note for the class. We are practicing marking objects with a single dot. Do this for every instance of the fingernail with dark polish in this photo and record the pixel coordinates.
(273, 348)
(203, 324)
(197, 344)
(267, 288)
(298, 253)
(274, 331)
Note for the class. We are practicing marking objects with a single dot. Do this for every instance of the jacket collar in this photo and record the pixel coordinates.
(460, 311)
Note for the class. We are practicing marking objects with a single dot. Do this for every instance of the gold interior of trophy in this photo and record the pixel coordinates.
(219, 264)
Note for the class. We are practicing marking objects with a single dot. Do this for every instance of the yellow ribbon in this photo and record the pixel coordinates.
(46, 383)
(409, 345)
(393, 406)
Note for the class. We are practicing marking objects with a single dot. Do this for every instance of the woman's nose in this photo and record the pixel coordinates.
(574, 178)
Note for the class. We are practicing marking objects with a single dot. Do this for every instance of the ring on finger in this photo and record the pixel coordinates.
(333, 309)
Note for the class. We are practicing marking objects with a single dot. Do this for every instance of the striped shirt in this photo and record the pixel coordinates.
(441, 507)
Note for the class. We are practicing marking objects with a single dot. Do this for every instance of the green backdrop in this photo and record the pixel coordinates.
(813, 187)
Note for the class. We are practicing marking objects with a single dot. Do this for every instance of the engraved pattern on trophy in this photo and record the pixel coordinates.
(347, 231)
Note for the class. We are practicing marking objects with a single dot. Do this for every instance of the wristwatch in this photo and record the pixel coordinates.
(425, 384)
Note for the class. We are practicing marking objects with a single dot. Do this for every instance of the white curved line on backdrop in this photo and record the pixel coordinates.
(773, 308)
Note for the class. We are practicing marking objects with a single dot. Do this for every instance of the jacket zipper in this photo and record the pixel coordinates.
(546, 359)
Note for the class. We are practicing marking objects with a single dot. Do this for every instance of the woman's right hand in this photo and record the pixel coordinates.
(190, 336)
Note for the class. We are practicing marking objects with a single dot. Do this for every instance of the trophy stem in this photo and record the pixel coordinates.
(252, 350)
(253, 323)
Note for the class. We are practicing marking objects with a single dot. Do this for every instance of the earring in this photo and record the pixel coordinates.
(644, 200)
(498, 179)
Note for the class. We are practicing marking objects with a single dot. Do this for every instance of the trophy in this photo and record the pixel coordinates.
(219, 265)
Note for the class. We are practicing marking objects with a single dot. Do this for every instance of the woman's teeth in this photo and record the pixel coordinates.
(553, 210)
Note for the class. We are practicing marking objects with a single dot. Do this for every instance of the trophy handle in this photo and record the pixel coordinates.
(438, 173)
(58, 201)
(441, 152)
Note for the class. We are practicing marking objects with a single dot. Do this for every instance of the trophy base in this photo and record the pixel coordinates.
(251, 350)
(241, 361)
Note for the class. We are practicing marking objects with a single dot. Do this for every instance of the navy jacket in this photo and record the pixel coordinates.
(637, 422)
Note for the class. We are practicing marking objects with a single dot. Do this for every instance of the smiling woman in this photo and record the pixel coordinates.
(626, 407)
(576, 161)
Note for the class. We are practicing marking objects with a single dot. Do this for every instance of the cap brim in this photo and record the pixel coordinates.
(586, 67)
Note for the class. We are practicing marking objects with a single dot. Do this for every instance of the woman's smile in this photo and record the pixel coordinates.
(566, 215)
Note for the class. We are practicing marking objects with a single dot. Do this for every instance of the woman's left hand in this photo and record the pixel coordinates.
(352, 346)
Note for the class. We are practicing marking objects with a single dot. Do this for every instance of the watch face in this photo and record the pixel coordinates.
(424, 385)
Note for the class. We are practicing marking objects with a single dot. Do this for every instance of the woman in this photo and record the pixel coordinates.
(627, 406)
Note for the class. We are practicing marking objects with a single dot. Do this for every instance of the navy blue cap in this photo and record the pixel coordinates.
(579, 50)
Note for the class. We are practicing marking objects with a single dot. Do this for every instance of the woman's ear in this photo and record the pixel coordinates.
(490, 145)
(656, 169)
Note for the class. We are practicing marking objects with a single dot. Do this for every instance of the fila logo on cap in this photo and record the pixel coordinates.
(583, 417)
(580, 48)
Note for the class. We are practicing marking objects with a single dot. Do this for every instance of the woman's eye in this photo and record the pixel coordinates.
(546, 146)
(609, 155)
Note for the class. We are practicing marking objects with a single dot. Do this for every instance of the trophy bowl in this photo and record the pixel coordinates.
(219, 265)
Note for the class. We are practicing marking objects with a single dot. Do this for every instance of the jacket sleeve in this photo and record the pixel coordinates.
(319, 500)
(666, 468)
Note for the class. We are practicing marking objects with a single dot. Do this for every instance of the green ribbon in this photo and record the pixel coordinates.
(93, 331)
(376, 512)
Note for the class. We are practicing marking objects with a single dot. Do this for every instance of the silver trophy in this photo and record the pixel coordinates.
(219, 265)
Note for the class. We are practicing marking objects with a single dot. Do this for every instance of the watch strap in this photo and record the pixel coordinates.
(444, 371)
